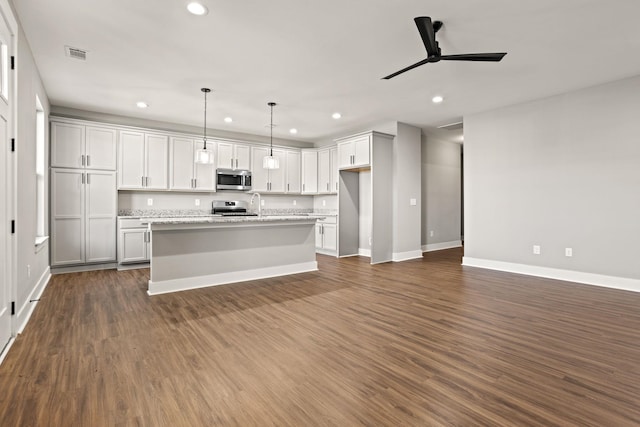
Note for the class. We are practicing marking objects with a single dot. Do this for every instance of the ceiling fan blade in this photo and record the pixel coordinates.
(410, 67)
(425, 27)
(493, 57)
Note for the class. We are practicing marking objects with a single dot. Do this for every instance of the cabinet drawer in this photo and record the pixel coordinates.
(132, 223)
(328, 220)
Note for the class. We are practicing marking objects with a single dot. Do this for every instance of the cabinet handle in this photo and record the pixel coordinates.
(142, 178)
(327, 186)
(146, 181)
(82, 178)
(88, 160)
(287, 188)
(88, 181)
(236, 163)
(195, 182)
(231, 163)
(82, 159)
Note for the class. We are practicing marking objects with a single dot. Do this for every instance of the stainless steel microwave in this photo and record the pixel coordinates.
(233, 179)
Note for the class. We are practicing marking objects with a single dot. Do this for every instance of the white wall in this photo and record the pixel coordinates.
(559, 172)
(441, 192)
(406, 186)
(30, 265)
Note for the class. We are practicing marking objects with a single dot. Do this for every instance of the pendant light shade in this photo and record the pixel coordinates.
(271, 162)
(204, 156)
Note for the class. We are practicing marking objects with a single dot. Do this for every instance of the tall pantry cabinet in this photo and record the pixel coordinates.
(83, 193)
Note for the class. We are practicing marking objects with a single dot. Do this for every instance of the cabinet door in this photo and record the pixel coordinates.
(293, 172)
(243, 157)
(100, 148)
(100, 216)
(133, 245)
(205, 174)
(182, 163)
(225, 158)
(131, 160)
(345, 154)
(276, 176)
(335, 172)
(324, 171)
(330, 237)
(259, 175)
(67, 216)
(361, 151)
(318, 236)
(157, 148)
(67, 145)
(309, 172)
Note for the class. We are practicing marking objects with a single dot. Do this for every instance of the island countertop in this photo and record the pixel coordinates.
(218, 219)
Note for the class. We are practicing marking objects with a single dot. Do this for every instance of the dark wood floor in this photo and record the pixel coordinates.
(424, 343)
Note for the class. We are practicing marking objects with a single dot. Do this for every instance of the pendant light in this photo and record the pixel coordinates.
(271, 162)
(203, 155)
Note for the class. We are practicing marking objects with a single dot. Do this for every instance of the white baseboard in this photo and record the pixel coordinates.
(5, 351)
(441, 246)
(364, 252)
(175, 285)
(25, 312)
(613, 282)
(83, 267)
(405, 256)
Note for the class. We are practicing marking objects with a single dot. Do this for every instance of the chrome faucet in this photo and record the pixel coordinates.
(259, 202)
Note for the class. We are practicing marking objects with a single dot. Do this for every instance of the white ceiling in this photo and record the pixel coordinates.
(317, 57)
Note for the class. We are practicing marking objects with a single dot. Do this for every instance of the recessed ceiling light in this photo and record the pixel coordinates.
(228, 119)
(293, 131)
(197, 8)
(336, 115)
(437, 99)
(141, 104)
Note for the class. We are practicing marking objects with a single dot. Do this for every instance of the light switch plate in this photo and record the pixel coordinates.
(413, 202)
(149, 202)
(197, 202)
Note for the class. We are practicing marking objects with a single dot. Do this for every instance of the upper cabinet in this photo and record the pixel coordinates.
(324, 172)
(232, 155)
(354, 152)
(184, 173)
(83, 146)
(143, 161)
(309, 172)
(335, 172)
(285, 179)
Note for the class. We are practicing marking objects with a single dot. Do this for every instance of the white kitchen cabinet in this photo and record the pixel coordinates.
(133, 241)
(268, 180)
(143, 161)
(85, 147)
(354, 152)
(184, 173)
(324, 172)
(83, 216)
(335, 172)
(232, 155)
(309, 172)
(326, 235)
(292, 180)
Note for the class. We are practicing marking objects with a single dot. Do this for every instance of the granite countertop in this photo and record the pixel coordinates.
(201, 213)
(216, 219)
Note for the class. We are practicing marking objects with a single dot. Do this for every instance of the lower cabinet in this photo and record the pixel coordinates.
(83, 217)
(327, 235)
(133, 241)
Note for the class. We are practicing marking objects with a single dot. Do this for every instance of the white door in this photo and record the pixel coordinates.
(324, 171)
(182, 159)
(361, 151)
(100, 149)
(225, 158)
(293, 172)
(345, 154)
(309, 172)
(133, 245)
(243, 157)
(67, 145)
(67, 216)
(131, 160)
(205, 174)
(335, 173)
(276, 176)
(330, 237)
(5, 179)
(100, 216)
(157, 166)
(259, 175)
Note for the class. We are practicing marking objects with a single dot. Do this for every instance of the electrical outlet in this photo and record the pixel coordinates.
(197, 202)
(295, 203)
(413, 202)
(431, 233)
(536, 249)
(261, 202)
(568, 252)
(324, 203)
(149, 202)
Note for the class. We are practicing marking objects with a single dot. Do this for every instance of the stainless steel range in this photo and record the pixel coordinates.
(231, 208)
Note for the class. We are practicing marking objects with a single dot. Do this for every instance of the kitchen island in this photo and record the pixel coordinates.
(196, 252)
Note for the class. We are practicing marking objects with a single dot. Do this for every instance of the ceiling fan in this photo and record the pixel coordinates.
(428, 32)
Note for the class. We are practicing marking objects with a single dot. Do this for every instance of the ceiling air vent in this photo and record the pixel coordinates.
(74, 52)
